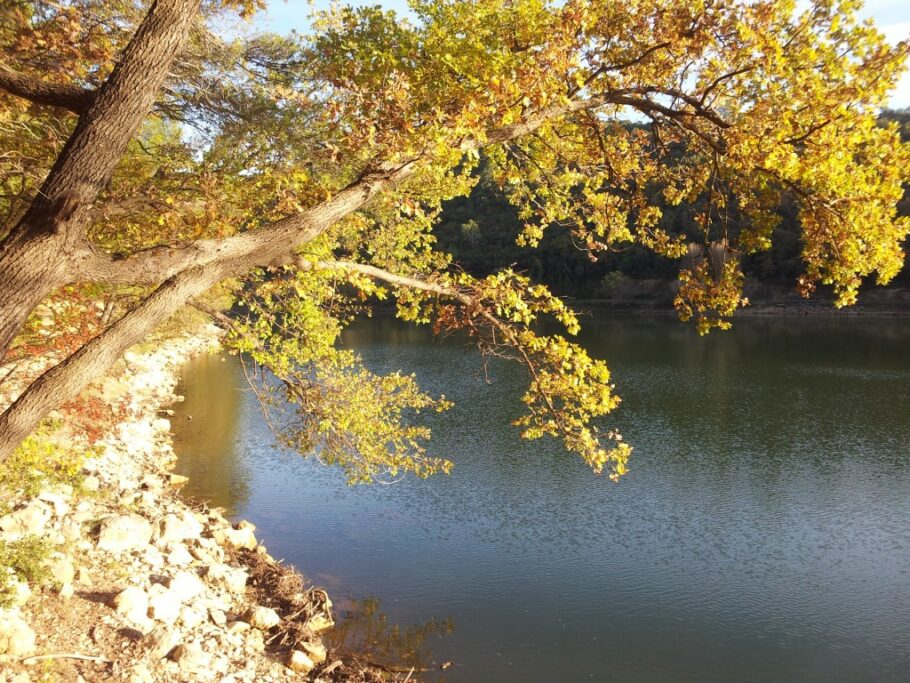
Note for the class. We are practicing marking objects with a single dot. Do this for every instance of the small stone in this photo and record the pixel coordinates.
(190, 617)
(83, 577)
(173, 528)
(319, 623)
(217, 515)
(56, 500)
(177, 480)
(20, 593)
(300, 661)
(151, 483)
(189, 657)
(255, 642)
(262, 617)
(132, 603)
(164, 607)
(67, 590)
(160, 641)
(16, 637)
(218, 617)
(147, 500)
(140, 673)
(186, 585)
(315, 651)
(235, 538)
(121, 533)
(238, 627)
(179, 555)
(71, 530)
(207, 554)
(91, 483)
(153, 558)
(233, 578)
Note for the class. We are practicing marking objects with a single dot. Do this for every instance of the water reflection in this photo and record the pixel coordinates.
(205, 428)
(365, 630)
(761, 536)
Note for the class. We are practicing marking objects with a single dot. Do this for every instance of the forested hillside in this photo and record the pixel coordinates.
(480, 231)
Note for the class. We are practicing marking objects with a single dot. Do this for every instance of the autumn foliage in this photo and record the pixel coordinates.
(307, 173)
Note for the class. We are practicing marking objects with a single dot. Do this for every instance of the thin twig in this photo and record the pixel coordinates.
(87, 658)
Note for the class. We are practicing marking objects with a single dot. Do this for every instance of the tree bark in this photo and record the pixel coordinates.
(54, 224)
(27, 274)
(71, 97)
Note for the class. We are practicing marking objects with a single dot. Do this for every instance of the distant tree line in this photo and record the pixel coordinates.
(479, 230)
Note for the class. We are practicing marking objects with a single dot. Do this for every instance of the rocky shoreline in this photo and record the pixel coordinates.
(143, 585)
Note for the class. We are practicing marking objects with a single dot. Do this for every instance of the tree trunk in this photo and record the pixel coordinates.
(28, 274)
(273, 245)
(55, 222)
(67, 379)
(201, 268)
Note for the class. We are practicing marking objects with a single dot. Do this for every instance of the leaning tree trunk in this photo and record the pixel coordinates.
(95, 358)
(34, 256)
(28, 273)
(238, 255)
(197, 271)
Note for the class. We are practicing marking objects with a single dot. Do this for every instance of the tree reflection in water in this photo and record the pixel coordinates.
(366, 631)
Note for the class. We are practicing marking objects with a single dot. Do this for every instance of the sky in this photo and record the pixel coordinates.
(891, 16)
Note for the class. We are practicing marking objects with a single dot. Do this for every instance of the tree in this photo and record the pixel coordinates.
(305, 175)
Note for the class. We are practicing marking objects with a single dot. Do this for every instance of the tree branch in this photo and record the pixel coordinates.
(385, 276)
(505, 328)
(190, 271)
(275, 243)
(72, 97)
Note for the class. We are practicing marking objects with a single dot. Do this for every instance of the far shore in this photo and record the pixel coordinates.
(754, 309)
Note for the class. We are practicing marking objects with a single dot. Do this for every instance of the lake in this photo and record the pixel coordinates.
(762, 534)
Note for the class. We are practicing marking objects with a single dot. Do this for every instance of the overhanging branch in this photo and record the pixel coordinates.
(70, 97)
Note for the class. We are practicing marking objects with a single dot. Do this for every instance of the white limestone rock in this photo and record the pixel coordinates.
(319, 623)
(190, 617)
(121, 533)
(165, 607)
(173, 528)
(235, 538)
(25, 521)
(57, 500)
(261, 617)
(186, 585)
(91, 483)
(16, 637)
(178, 555)
(315, 651)
(160, 641)
(133, 604)
(190, 657)
(61, 568)
(300, 662)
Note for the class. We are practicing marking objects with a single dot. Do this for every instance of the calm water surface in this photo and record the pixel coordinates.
(763, 533)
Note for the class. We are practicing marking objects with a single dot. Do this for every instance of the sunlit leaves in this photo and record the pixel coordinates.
(709, 297)
(568, 391)
(317, 397)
